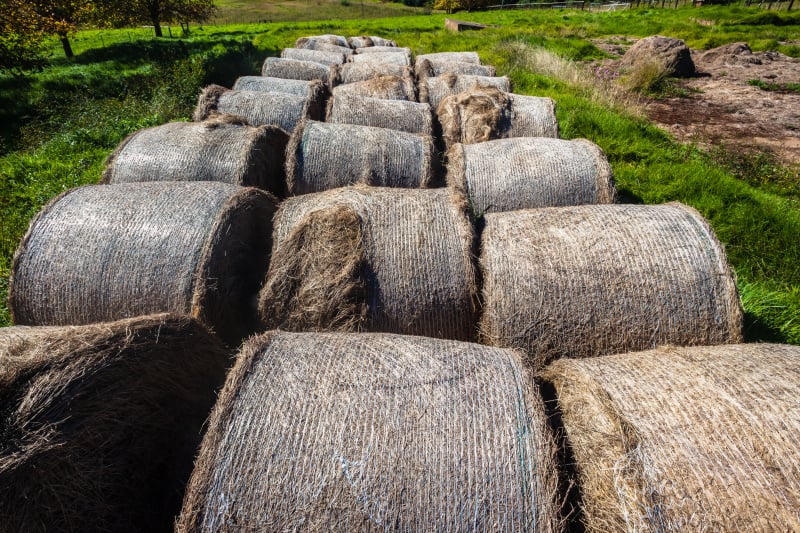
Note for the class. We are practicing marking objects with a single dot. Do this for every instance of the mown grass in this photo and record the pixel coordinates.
(59, 125)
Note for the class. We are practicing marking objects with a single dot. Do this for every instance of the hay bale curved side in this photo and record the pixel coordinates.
(101, 423)
(107, 252)
(278, 67)
(427, 68)
(386, 87)
(410, 117)
(323, 57)
(354, 72)
(455, 438)
(434, 90)
(382, 49)
(395, 58)
(685, 439)
(280, 85)
(337, 40)
(598, 279)
(370, 41)
(446, 57)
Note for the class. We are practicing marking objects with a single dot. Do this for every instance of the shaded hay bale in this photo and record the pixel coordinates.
(383, 49)
(428, 68)
(317, 89)
(397, 260)
(364, 42)
(279, 67)
(599, 279)
(411, 117)
(374, 431)
(221, 148)
(397, 58)
(386, 87)
(434, 90)
(322, 156)
(100, 424)
(107, 252)
(334, 40)
(353, 72)
(685, 439)
(321, 46)
(446, 57)
(528, 172)
(317, 56)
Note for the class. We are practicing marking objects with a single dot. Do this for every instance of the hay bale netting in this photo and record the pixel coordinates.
(383, 49)
(321, 46)
(685, 439)
(427, 68)
(317, 56)
(434, 90)
(322, 156)
(353, 72)
(107, 252)
(600, 279)
(446, 57)
(259, 108)
(386, 87)
(370, 41)
(293, 69)
(363, 432)
(100, 424)
(221, 148)
(528, 172)
(328, 38)
(373, 259)
(397, 58)
(401, 115)
(317, 89)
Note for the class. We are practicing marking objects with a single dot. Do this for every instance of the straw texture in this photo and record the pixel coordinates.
(278, 67)
(400, 115)
(434, 90)
(396, 58)
(382, 49)
(323, 156)
(317, 56)
(353, 72)
(338, 40)
(686, 439)
(595, 280)
(528, 172)
(106, 252)
(386, 87)
(374, 432)
(316, 88)
(222, 148)
(100, 424)
(397, 261)
(446, 57)
(428, 68)
(363, 42)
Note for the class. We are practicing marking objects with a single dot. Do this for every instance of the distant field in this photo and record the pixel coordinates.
(255, 11)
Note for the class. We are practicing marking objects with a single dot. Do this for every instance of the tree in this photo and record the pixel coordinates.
(22, 31)
(62, 17)
(157, 12)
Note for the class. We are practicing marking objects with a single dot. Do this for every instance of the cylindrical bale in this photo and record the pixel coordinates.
(317, 90)
(365, 42)
(428, 68)
(382, 49)
(317, 56)
(600, 279)
(337, 40)
(322, 46)
(685, 439)
(107, 252)
(279, 67)
(446, 57)
(373, 259)
(411, 117)
(353, 72)
(386, 87)
(434, 90)
(221, 148)
(362, 432)
(529, 172)
(322, 156)
(398, 58)
(101, 423)
(259, 108)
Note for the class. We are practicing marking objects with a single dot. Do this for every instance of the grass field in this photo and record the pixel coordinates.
(57, 126)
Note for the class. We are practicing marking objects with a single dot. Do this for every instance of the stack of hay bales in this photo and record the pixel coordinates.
(326, 43)
(316, 56)
(365, 42)
(401, 115)
(294, 69)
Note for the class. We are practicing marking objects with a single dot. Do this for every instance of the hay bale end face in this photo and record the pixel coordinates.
(374, 431)
(599, 279)
(386, 87)
(107, 252)
(101, 423)
(427, 68)
(410, 117)
(316, 88)
(278, 67)
(685, 439)
(317, 56)
(354, 72)
(434, 90)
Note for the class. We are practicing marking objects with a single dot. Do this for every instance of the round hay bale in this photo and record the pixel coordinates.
(278, 67)
(427, 68)
(434, 90)
(107, 252)
(316, 88)
(322, 46)
(373, 259)
(386, 87)
(447, 57)
(353, 72)
(485, 113)
(336, 40)
(601, 279)
(383, 49)
(221, 148)
(401, 115)
(322, 156)
(364, 42)
(317, 56)
(259, 108)
(397, 58)
(528, 172)
(685, 439)
(358, 432)
(101, 423)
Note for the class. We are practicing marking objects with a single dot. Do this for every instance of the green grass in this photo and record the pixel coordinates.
(775, 87)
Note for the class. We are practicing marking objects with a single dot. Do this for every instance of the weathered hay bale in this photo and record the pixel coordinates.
(221, 148)
(528, 172)
(278, 67)
(317, 56)
(446, 57)
(373, 259)
(316, 88)
(364, 42)
(398, 58)
(485, 113)
(101, 423)
(107, 252)
(322, 156)
(258, 108)
(600, 279)
(386, 87)
(454, 439)
(427, 68)
(336, 40)
(685, 439)
(434, 90)
(411, 117)
(322, 46)
(353, 72)
(383, 49)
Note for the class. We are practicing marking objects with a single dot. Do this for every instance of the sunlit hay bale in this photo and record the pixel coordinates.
(382, 49)
(316, 88)
(353, 72)
(685, 439)
(321, 46)
(434, 90)
(364, 42)
(221, 148)
(317, 56)
(447, 57)
(398, 58)
(602, 279)
(373, 259)
(101, 423)
(386, 87)
(107, 252)
(279, 67)
(336, 40)
(427, 68)
(528, 172)
(411, 117)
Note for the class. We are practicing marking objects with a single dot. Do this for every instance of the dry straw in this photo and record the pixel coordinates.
(685, 439)
(293, 69)
(106, 252)
(364, 42)
(317, 56)
(322, 156)
(411, 117)
(386, 87)
(447, 57)
(353, 72)
(373, 259)
(336, 40)
(428, 68)
(100, 424)
(396, 58)
(382, 49)
(528, 172)
(434, 90)
(374, 432)
(222, 148)
(601, 279)
(316, 88)
(321, 46)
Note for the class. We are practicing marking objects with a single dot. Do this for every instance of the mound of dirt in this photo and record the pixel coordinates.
(729, 55)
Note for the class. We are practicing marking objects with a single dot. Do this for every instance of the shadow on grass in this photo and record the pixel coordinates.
(756, 330)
